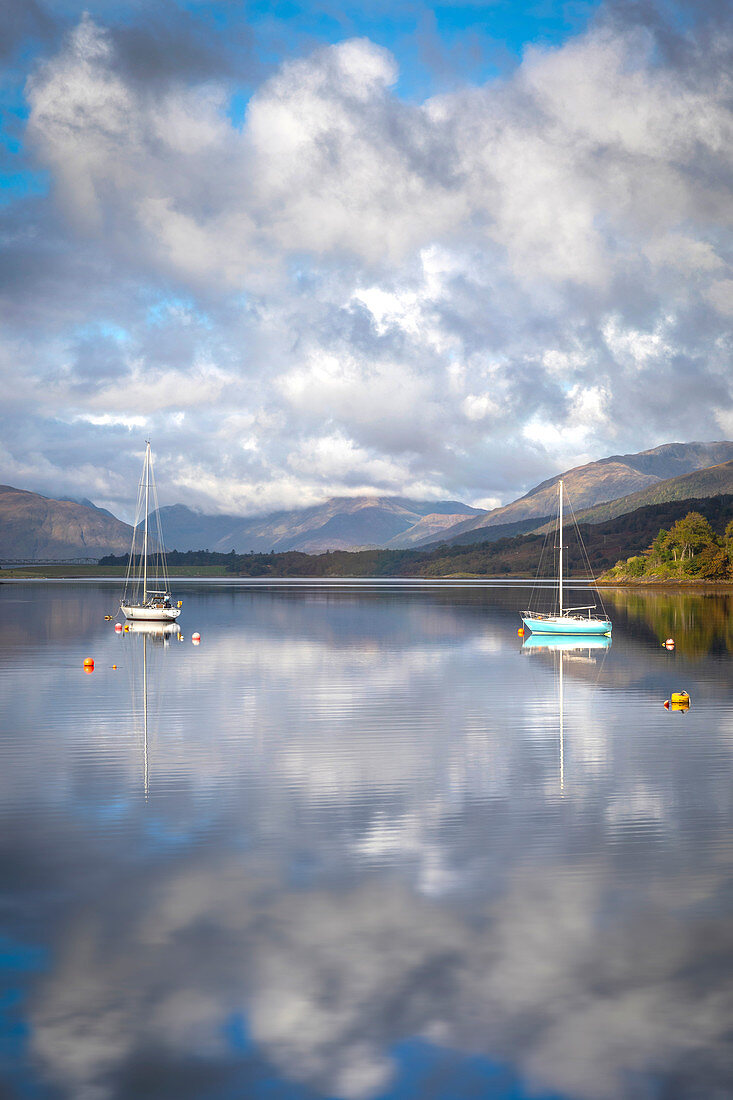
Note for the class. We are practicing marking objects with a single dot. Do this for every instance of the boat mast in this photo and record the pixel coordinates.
(145, 534)
(560, 586)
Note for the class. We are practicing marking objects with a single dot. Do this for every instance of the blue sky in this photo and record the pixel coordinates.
(442, 251)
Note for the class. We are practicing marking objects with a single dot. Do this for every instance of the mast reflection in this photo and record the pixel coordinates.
(562, 647)
(157, 634)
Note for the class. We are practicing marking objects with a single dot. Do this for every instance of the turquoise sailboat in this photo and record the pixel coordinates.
(569, 621)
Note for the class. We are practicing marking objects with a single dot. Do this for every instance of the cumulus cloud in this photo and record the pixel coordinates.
(475, 290)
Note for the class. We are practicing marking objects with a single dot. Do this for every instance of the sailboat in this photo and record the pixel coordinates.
(566, 620)
(147, 597)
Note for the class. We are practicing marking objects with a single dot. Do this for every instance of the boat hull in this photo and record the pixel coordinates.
(564, 624)
(151, 614)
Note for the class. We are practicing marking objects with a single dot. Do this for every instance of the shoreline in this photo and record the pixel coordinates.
(216, 573)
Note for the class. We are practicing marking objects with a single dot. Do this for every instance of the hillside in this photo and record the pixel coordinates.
(342, 523)
(37, 527)
(690, 548)
(608, 479)
(710, 482)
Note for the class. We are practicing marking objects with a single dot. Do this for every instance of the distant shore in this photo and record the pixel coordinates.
(202, 572)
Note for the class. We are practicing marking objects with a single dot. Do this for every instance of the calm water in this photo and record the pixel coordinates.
(368, 846)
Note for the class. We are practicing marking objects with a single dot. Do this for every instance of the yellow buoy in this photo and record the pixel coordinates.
(680, 697)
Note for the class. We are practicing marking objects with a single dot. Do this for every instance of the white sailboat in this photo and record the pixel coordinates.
(147, 597)
(566, 620)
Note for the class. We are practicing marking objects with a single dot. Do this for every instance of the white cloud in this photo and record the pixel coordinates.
(535, 259)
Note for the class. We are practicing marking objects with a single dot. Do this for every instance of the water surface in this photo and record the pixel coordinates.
(362, 842)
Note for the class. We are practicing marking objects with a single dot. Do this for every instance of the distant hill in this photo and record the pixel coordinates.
(608, 479)
(490, 533)
(711, 482)
(37, 527)
(342, 523)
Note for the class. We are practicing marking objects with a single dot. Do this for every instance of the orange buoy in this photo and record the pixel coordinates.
(114, 667)
(666, 703)
(520, 632)
(88, 661)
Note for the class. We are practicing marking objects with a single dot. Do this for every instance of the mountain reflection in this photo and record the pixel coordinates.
(354, 836)
(700, 622)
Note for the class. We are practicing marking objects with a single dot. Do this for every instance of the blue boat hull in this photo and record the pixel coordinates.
(562, 624)
(570, 643)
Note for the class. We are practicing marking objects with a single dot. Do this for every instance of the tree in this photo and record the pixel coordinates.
(661, 548)
(689, 535)
(712, 563)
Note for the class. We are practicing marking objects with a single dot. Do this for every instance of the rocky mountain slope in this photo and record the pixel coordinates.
(701, 484)
(39, 528)
(594, 483)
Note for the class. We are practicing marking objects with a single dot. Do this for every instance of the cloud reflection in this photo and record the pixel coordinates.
(355, 836)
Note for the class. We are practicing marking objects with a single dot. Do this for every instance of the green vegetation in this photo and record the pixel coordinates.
(689, 550)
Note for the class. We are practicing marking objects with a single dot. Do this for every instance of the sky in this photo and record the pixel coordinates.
(309, 249)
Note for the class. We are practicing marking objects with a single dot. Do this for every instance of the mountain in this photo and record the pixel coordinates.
(711, 482)
(342, 523)
(596, 482)
(37, 527)
(88, 503)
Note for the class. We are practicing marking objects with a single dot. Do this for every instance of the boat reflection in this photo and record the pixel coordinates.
(564, 647)
(566, 642)
(164, 631)
(159, 634)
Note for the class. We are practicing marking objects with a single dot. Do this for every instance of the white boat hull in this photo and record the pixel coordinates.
(566, 624)
(154, 630)
(151, 614)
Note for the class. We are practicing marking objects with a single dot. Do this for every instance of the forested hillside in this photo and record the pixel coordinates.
(606, 543)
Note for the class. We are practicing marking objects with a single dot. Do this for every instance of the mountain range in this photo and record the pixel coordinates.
(342, 523)
(37, 527)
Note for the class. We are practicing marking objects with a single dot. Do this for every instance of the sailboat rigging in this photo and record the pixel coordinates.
(566, 620)
(148, 598)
